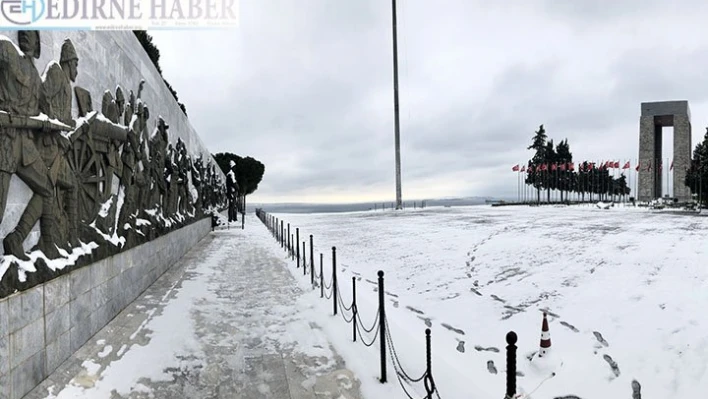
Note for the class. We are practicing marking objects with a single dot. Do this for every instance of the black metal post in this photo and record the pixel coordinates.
(312, 262)
(292, 252)
(334, 278)
(428, 381)
(275, 229)
(290, 249)
(321, 277)
(382, 326)
(511, 339)
(304, 256)
(297, 245)
(354, 311)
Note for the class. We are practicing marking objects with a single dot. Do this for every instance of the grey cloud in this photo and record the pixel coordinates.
(306, 88)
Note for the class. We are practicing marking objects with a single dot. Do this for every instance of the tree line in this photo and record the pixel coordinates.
(552, 168)
(247, 171)
(154, 54)
(697, 174)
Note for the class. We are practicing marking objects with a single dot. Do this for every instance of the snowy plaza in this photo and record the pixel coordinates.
(624, 290)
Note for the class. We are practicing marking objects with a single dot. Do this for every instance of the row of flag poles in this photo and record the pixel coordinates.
(615, 169)
(590, 166)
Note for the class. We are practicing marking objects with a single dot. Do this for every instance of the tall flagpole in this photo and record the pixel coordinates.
(397, 133)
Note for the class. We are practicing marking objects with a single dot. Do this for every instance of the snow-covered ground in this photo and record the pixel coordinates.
(625, 290)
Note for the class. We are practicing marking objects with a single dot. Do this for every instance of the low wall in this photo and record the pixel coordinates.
(43, 326)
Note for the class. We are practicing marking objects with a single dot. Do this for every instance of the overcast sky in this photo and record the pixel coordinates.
(306, 87)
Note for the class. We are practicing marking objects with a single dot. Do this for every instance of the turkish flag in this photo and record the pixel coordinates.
(571, 166)
(562, 167)
(672, 165)
(638, 165)
(554, 167)
(626, 166)
(617, 164)
(523, 168)
(515, 168)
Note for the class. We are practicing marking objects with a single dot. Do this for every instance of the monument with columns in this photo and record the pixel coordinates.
(654, 117)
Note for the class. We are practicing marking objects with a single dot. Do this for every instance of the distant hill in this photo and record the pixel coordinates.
(365, 206)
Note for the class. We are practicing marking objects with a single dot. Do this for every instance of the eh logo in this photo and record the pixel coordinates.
(22, 12)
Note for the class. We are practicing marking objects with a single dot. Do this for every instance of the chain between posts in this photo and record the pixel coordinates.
(278, 228)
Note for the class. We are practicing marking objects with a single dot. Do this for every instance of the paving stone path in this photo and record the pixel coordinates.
(221, 323)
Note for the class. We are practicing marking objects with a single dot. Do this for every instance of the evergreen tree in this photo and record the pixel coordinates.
(565, 176)
(697, 174)
(550, 174)
(584, 179)
(154, 54)
(534, 175)
(620, 187)
(248, 171)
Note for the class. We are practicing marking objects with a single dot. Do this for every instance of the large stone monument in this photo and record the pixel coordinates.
(84, 177)
(655, 116)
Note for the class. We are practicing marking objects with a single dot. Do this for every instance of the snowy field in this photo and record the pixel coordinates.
(625, 290)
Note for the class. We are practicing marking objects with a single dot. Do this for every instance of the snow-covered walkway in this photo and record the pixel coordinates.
(225, 322)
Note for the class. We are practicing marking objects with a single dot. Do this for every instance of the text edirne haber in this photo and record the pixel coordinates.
(133, 10)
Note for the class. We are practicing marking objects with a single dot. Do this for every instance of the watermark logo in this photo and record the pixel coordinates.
(22, 12)
(118, 14)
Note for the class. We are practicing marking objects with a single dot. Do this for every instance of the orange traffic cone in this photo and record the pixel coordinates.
(545, 338)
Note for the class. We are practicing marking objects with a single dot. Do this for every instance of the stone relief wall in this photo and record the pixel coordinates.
(95, 154)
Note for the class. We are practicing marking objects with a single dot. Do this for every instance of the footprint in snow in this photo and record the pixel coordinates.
(414, 310)
(496, 298)
(475, 291)
(453, 329)
(570, 326)
(426, 320)
(531, 355)
(461, 346)
(395, 304)
(490, 366)
(613, 364)
(600, 339)
(636, 390)
(483, 349)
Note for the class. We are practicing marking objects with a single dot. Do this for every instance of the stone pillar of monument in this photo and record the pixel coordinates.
(682, 156)
(654, 117)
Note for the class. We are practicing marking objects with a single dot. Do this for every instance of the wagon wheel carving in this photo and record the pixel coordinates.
(90, 168)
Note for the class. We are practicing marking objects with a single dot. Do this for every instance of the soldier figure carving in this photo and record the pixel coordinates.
(20, 96)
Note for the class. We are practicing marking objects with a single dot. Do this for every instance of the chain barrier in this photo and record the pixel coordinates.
(379, 328)
(376, 322)
(341, 302)
(394, 358)
(362, 336)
